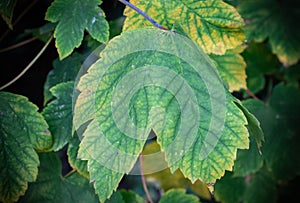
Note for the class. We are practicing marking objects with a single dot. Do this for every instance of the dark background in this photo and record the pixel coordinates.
(14, 61)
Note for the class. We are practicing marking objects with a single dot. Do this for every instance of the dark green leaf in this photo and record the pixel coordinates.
(63, 71)
(50, 186)
(178, 195)
(275, 20)
(58, 114)
(22, 129)
(73, 17)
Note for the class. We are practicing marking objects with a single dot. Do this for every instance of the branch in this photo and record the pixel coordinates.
(156, 24)
(29, 65)
(143, 180)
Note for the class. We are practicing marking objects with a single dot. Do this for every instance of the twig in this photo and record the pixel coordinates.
(156, 24)
(251, 94)
(29, 65)
(19, 18)
(18, 44)
(143, 180)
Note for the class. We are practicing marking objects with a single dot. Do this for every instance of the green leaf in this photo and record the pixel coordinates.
(7, 10)
(279, 120)
(125, 196)
(79, 165)
(50, 186)
(63, 71)
(260, 61)
(58, 114)
(258, 187)
(73, 18)
(248, 161)
(230, 189)
(164, 82)
(214, 25)
(275, 20)
(178, 195)
(231, 67)
(22, 131)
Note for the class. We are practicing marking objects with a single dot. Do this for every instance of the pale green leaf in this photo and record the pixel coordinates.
(74, 17)
(178, 195)
(275, 20)
(50, 186)
(22, 131)
(165, 83)
(58, 114)
(214, 25)
(231, 67)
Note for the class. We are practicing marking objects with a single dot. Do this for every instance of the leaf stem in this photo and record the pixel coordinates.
(143, 180)
(151, 20)
(29, 65)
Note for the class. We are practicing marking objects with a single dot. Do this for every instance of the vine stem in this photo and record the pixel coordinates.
(143, 180)
(18, 44)
(19, 18)
(29, 65)
(151, 20)
(251, 94)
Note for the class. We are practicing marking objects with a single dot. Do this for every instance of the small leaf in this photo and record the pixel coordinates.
(7, 10)
(276, 21)
(50, 186)
(125, 196)
(132, 89)
(22, 131)
(63, 71)
(58, 114)
(214, 25)
(178, 195)
(231, 67)
(73, 18)
(79, 165)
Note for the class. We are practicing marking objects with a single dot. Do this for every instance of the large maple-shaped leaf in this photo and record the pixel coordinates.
(22, 131)
(73, 17)
(213, 24)
(275, 20)
(165, 82)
